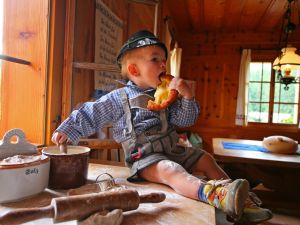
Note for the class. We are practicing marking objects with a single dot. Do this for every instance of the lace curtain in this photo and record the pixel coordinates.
(242, 100)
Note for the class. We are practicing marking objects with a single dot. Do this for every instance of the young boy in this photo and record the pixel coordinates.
(149, 138)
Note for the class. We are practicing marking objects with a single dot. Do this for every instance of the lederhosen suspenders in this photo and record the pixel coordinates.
(151, 141)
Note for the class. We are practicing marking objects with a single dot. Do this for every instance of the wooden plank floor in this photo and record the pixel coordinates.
(280, 217)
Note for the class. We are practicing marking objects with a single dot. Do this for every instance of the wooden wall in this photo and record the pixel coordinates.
(213, 60)
(55, 67)
(23, 87)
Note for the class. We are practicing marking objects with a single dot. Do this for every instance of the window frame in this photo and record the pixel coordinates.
(270, 124)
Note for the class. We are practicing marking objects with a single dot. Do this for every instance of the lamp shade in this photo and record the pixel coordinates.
(287, 60)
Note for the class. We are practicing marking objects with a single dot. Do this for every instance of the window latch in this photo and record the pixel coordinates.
(14, 60)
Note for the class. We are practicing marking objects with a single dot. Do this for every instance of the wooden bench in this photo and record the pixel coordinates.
(105, 151)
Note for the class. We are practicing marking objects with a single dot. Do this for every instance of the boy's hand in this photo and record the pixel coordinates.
(59, 138)
(182, 87)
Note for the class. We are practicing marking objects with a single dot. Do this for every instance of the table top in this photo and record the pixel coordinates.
(256, 157)
(175, 209)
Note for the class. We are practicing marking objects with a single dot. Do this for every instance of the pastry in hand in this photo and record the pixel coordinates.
(163, 95)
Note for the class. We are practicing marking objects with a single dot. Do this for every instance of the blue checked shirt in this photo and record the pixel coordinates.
(92, 116)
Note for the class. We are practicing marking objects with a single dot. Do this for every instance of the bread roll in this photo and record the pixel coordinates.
(280, 144)
(163, 95)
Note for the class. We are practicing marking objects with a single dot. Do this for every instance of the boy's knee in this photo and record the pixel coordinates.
(170, 166)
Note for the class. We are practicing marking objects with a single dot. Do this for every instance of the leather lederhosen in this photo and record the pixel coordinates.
(155, 144)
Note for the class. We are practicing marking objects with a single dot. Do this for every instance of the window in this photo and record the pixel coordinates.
(268, 101)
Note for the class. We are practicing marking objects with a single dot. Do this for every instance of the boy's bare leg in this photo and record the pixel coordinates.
(174, 175)
(183, 183)
(230, 196)
(208, 165)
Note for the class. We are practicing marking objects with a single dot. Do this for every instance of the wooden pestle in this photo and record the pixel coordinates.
(63, 148)
(79, 207)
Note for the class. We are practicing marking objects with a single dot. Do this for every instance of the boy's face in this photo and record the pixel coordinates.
(150, 63)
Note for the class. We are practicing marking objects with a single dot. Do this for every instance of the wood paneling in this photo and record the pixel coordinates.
(216, 87)
(197, 16)
(23, 94)
(84, 44)
(55, 66)
(144, 13)
(68, 59)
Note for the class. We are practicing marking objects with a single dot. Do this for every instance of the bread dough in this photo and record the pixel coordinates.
(280, 144)
(21, 159)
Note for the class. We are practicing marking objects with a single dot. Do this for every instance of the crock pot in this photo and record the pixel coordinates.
(21, 180)
(23, 172)
(67, 170)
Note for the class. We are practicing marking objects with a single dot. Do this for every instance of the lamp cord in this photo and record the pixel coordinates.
(285, 28)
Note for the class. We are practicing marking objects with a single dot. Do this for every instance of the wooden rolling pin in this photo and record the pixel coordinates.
(81, 206)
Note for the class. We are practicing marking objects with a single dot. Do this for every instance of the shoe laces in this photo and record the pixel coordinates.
(215, 184)
(255, 198)
(253, 201)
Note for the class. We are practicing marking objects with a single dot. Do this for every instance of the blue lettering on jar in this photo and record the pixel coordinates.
(31, 171)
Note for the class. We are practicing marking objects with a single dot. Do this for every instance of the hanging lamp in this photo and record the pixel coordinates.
(288, 61)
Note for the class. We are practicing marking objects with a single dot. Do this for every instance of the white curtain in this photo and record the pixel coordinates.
(175, 60)
(242, 100)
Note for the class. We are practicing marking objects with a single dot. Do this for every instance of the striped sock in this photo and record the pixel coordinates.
(201, 195)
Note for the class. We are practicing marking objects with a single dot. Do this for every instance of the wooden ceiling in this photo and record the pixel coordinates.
(198, 16)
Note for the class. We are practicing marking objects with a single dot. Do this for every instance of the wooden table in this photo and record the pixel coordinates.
(279, 173)
(174, 210)
(243, 156)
